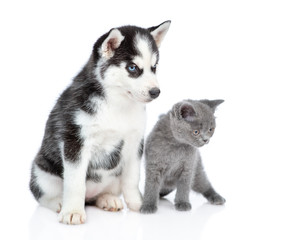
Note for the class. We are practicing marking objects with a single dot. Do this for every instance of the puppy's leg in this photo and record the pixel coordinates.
(131, 176)
(73, 211)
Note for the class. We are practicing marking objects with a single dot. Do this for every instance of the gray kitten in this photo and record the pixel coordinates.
(172, 156)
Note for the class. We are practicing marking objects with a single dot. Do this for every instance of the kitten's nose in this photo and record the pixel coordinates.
(154, 92)
(206, 140)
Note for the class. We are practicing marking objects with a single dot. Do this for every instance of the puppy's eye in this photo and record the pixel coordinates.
(196, 132)
(153, 68)
(132, 68)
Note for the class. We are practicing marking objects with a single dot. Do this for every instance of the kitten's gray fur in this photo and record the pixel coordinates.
(172, 156)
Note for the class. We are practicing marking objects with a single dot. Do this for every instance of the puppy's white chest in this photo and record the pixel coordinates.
(111, 123)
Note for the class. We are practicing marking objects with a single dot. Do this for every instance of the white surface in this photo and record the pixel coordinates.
(214, 49)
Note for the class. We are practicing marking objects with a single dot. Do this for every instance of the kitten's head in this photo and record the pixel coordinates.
(193, 122)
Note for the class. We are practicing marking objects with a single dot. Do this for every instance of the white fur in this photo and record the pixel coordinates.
(51, 184)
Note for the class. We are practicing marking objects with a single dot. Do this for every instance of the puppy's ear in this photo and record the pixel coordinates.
(111, 43)
(159, 32)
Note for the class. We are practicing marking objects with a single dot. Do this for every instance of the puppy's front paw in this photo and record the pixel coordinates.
(133, 200)
(72, 217)
(109, 202)
(183, 206)
(148, 209)
(134, 206)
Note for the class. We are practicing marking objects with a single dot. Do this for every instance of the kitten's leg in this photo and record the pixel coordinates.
(131, 175)
(151, 191)
(182, 202)
(203, 186)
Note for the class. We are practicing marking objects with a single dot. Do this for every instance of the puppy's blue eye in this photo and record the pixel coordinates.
(132, 68)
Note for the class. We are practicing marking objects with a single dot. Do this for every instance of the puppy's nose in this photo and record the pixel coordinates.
(154, 92)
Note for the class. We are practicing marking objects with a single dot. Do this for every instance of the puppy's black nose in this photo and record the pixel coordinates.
(154, 92)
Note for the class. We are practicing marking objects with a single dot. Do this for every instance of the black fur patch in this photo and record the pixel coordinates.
(72, 142)
(93, 176)
(114, 158)
(141, 148)
(109, 161)
(118, 172)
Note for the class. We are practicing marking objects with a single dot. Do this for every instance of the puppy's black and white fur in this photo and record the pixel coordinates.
(93, 139)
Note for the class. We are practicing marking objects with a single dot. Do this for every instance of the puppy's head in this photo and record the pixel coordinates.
(127, 57)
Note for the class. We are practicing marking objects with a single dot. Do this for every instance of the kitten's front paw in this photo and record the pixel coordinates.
(183, 206)
(72, 217)
(148, 209)
(216, 199)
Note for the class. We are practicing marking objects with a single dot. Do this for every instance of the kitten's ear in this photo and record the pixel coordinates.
(188, 112)
(213, 104)
(111, 43)
(159, 32)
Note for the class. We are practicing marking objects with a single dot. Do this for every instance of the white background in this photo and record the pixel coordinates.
(231, 50)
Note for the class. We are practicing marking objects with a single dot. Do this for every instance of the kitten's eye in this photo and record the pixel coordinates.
(211, 130)
(196, 132)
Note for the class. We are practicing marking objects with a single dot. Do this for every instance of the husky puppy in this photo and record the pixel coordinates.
(93, 139)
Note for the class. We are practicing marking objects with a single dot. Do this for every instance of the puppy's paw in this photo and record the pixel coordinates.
(72, 217)
(109, 202)
(148, 209)
(134, 206)
(183, 206)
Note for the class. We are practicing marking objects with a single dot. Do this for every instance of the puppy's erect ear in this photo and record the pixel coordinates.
(159, 32)
(111, 43)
